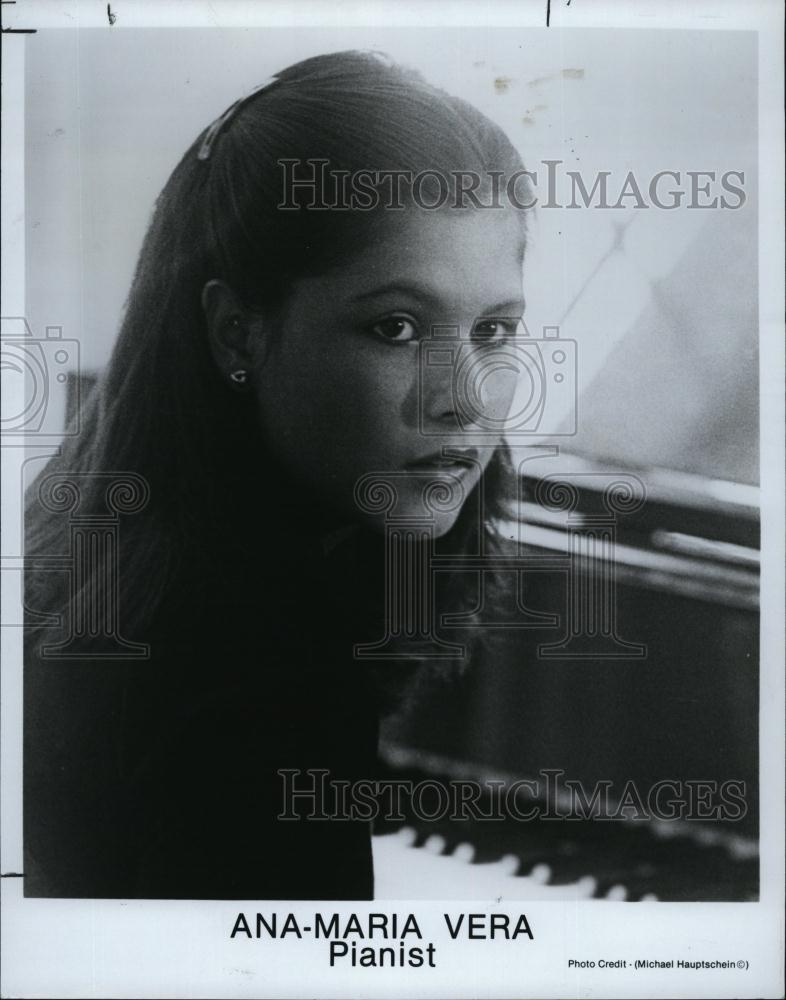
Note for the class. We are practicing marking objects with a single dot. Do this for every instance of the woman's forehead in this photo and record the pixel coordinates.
(439, 254)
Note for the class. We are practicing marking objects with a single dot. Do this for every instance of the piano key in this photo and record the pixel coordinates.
(651, 860)
(541, 873)
(402, 871)
(509, 864)
(435, 844)
(466, 852)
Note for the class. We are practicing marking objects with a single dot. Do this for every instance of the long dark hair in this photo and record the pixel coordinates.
(161, 410)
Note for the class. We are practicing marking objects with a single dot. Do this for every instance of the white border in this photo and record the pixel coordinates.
(149, 948)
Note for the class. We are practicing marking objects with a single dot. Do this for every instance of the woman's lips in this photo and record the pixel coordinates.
(456, 460)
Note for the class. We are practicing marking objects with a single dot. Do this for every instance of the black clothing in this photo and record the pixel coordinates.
(158, 778)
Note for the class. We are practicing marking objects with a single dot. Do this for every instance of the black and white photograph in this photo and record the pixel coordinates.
(392, 450)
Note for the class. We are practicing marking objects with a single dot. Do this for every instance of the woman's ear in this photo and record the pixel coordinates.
(228, 331)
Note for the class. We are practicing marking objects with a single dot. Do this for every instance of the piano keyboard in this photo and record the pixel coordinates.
(560, 859)
(642, 866)
(402, 871)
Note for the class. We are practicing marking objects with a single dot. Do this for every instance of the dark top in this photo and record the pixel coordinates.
(158, 778)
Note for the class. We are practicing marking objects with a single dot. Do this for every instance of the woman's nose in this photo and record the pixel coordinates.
(467, 386)
(440, 357)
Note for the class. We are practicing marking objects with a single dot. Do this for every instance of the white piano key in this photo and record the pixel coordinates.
(586, 886)
(464, 853)
(405, 872)
(435, 844)
(509, 864)
(541, 874)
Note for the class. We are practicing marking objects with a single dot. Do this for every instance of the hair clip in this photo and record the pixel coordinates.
(215, 129)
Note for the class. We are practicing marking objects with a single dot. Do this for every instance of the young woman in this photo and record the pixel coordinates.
(270, 360)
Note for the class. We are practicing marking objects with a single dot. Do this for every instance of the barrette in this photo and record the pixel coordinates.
(215, 129)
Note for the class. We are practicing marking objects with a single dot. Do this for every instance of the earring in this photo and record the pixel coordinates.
(240, 377)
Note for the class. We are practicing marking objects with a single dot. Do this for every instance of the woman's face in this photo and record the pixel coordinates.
(375, 367)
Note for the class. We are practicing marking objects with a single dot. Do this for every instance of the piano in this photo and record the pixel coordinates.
(497, 860)
(679, 701)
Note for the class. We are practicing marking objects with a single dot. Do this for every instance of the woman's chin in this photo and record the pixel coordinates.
(413, 520)
(443, 523)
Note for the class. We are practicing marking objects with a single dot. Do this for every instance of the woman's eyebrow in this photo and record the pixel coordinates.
(400, 287)
(513, 306)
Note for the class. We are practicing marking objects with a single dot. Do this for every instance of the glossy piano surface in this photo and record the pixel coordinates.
(677, 700)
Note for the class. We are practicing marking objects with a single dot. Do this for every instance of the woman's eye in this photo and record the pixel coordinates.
(396, 329)
(491, 331)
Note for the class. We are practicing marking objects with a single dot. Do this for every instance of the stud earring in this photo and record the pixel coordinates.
(240, 377)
